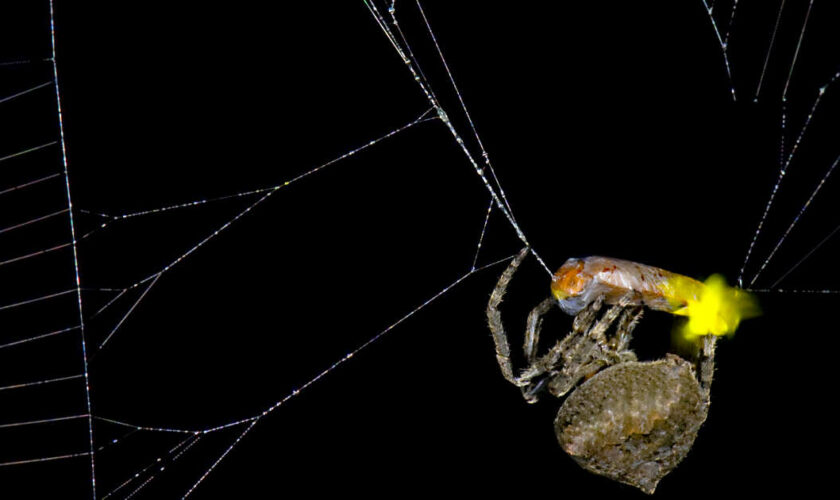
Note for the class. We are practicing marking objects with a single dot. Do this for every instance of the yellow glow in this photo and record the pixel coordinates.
(715, 308)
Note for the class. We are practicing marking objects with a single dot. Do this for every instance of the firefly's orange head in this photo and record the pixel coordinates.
(569, 280)
(571, 286)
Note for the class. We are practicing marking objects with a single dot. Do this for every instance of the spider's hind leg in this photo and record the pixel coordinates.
(707, 364)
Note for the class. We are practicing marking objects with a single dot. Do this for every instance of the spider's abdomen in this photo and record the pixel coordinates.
(633, 422)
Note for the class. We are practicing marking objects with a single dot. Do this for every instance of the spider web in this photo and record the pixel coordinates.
(259, 197)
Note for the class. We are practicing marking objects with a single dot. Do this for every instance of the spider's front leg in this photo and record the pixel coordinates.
(535, 373)
(494, 321)
(550, 367)
(587, 349)
(580, 354)
(533, 327)
(620, 343)
(532, 338)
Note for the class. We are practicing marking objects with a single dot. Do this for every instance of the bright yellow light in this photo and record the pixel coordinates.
(715, 309)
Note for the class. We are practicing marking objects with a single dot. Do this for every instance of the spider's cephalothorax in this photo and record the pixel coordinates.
(630, 421)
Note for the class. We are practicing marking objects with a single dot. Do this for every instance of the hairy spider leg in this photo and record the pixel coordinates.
(580, 354)
(534, 325)
(707, 365)
(494, 320)
(589, 352)
(628, 321)
(561, 353)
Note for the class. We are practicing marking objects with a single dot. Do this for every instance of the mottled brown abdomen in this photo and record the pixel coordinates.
(634, 422)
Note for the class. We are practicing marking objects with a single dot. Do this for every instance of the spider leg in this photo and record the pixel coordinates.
(588, 352)
(570, 353)
(598, 332)
(494, 321)
(560, 353)
(584, 319)
(707, 364)
(620, 343)
(533, 327)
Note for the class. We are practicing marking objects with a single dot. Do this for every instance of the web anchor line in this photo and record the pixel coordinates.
(798, 46)
(252, 421)
(418, 76)
(783, 129)
(41, 382)
(803, 259)
(320, 375)
(731, 23)
(424, 117)
(43, 421)
(109, 303)
(37, 299)
(75, 253)
(481, 147)
(413, 67)
(44, 251)
(24, 92)
(782, 172)
(794, 291)
(36, 253)
(481, 237)
(149, 281)
(724, 44)
(34, 220)
(44, 459)
(19, 62)
(796, 220)
(182, 445)
(125, 317)
(29, 183)
(28, 150)
(769, 51)
(38, 337)
(118, 440)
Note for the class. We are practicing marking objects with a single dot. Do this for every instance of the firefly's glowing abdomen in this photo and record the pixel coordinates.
(712, 307)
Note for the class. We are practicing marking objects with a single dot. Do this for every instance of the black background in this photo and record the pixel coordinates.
(613, 132)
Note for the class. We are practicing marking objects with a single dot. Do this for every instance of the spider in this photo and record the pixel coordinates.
(630, 421)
